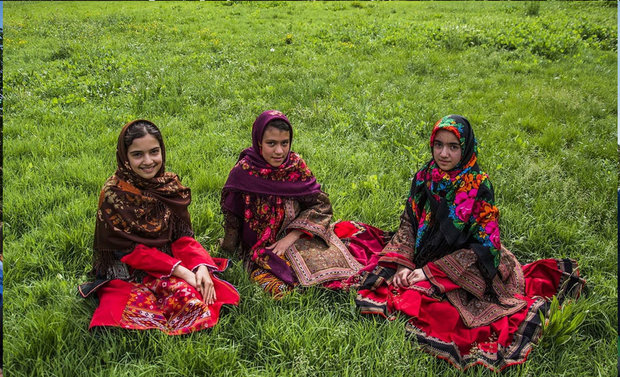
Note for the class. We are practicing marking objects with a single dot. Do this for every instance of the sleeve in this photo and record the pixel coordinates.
(192, 254)
(400, 248)
(457, 270)
(232, 233)
(314, 217)
(151, 260)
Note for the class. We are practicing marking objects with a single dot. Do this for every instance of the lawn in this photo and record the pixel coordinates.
(362, 83)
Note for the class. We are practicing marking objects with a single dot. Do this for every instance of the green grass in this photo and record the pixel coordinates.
(362, 83)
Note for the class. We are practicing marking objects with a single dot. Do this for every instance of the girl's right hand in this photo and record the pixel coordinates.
(402, 277)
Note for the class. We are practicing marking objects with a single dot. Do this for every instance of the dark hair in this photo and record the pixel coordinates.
(140, 129)
(279, 124)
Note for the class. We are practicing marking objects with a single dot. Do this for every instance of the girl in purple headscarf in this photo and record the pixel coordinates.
(278, 220)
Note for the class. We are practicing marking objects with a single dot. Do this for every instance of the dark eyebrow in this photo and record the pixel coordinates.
(438, 141)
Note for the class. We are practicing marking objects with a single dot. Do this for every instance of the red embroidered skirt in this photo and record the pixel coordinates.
(168, 304)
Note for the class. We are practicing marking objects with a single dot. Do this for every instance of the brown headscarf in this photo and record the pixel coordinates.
(133, 210)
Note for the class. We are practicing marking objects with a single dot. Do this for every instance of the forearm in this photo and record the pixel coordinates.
(151, 260)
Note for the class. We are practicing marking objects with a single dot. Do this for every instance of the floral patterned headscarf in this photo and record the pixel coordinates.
(455, 209)
(253, 174)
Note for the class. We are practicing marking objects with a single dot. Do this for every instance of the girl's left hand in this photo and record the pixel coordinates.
(280, 246)
(416, 276)
(204, 285)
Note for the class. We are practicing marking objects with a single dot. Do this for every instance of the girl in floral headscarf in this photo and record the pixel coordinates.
(277, 218)
(150, 272)
(468, 298)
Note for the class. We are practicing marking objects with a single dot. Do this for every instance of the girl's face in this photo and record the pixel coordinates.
(144, 156)
(275, 145)
(446, 150)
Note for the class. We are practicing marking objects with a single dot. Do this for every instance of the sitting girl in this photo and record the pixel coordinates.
(278, 219)
(468, 298)
(150, 271)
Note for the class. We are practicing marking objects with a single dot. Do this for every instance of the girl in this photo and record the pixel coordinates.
(468, 298)
(278, 219)
(150, 271)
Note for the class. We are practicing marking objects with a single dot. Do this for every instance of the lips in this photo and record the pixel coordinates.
(148, 169)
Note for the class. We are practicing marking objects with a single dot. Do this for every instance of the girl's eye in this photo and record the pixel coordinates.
(437, 144)
(454, 148)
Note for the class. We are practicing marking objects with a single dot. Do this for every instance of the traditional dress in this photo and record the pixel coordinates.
(143, 231)
(478, 304)
(262, 203)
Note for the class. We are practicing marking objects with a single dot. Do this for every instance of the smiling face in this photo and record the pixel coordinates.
(145, 156)
(275, 145)
(446, 150)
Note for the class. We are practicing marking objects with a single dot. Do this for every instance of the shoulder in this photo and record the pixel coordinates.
(113, 186)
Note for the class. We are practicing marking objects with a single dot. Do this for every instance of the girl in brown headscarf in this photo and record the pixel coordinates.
(150, 271)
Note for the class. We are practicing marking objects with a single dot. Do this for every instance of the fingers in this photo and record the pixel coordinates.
(400, 281)
(418, 275)
(206, 289)
(209, 296)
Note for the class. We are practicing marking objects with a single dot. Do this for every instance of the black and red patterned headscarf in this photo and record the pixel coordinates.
(455, 209)
(133, 210)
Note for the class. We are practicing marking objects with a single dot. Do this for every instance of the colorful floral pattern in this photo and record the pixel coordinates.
(294, 171)
(170, 305)
(264, 215)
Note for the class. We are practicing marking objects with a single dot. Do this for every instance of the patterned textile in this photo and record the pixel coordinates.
(262, 203)
(363, 242)
(143, 232)
(454, 324)
(477, 304)
(271, 283)
(455, 209)
(255, 175)
(133, 210)
(169, 304)
(316, 261)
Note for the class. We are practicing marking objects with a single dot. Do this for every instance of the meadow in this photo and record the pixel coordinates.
(362, 83)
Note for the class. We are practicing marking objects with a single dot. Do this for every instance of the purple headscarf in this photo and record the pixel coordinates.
(253, 174)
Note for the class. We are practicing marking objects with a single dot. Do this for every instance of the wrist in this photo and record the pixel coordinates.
(181, 272)
(294, 234)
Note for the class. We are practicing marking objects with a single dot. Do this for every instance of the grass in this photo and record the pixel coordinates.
(362, 83)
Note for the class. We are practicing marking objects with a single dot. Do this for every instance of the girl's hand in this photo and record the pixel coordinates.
(405, 278)
(280, 246)
(401, 277)
(204, 285)
(416, 276)
(185, 274)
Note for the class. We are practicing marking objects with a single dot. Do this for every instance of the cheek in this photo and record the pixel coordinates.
(134, 163)
(264, 151)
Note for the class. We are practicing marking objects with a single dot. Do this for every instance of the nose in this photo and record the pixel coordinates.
(279, 149)
(147, 159)
(443, 151)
